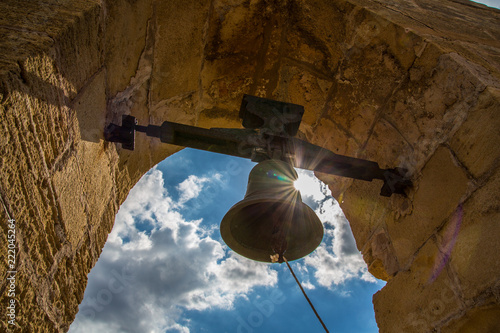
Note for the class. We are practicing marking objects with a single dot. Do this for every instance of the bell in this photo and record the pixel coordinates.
(272, 219)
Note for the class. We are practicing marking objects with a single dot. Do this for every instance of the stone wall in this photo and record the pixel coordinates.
(414, 84)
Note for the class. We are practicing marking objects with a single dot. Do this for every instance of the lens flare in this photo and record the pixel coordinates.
(276, 175)
(449, 238)
(306, 183)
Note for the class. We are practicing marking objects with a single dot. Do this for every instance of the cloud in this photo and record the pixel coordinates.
(337, 259)
(145, 279)
(190, 188)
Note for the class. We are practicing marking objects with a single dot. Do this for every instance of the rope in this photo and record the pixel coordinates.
(307, 298)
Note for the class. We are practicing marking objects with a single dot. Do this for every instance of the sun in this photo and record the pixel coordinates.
(306, 183)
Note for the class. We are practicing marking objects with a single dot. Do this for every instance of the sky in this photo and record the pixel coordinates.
(165, 268)
(490, 3)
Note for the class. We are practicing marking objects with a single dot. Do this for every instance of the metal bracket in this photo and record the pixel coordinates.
(272, 117)
(124, 134)
(395, 182)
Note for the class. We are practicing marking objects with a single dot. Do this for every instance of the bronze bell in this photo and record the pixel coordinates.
(272, 219)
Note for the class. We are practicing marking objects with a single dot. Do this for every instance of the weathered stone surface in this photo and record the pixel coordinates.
(177, 52)
(484, 319)
(419, 297)
(79, 187)
(453, 25)
(365, 210)
(436, 98)
(127, 24)
(379, 256)
(476, 142)
(476, 224)
(412, 84)
(440, 190)
(387, 156)
(40, 135)
(306, 89)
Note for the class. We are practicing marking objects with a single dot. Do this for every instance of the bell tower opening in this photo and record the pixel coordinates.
(165, 266)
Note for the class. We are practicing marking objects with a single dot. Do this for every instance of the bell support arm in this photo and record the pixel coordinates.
(258, 146)
(311, 157)
(316, 158)
(217, 141)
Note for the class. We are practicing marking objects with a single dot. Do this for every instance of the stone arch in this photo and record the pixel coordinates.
(412, 83)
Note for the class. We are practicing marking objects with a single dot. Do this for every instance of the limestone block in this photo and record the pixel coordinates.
(17, 44)
(416, 300)
(80, 47)
(317, 26)
(65, 301)
(330, 135)
(388, 155)
(400, 71)
(78, 186)
(357, 99)
(365, 209)
(337, 185)
(178, 49)
(30, 318)
(125, 37)
(299, 85)
(29, 29)
(476, 142)
(26, 186)
(438, 193)
(216, 117)
(379, 256)
(430, 107)
(39, 91)
(454, 25)
(373, 49)
(353, 115)
(474, 255)
(36, 99)
(239, 52)
(483, 319)
(404, 107)
(72, 201)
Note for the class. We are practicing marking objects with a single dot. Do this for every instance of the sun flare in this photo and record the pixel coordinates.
(306, 183)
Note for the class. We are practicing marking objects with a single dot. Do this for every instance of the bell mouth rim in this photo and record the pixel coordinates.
(231, 242)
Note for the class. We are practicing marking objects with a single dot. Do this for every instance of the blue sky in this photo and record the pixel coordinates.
(165, 267)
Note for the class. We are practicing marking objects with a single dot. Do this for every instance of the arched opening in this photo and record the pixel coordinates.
(165, 267)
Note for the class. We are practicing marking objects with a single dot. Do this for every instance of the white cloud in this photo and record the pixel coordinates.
(144, 279)
(190, 188)
(337, 259)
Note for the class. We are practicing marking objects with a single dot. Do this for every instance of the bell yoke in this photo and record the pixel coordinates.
(271, 219)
